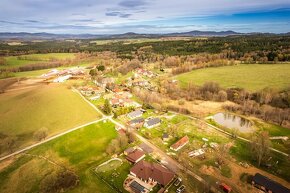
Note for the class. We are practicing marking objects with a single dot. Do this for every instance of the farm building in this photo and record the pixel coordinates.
(268, 185)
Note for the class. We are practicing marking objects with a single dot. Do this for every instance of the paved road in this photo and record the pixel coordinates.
(167, 160)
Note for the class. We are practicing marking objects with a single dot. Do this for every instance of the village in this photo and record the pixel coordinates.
(165, 149)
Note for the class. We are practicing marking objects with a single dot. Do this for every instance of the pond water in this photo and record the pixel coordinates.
(233, 122)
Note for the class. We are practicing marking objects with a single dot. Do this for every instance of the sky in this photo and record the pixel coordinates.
(143, 16)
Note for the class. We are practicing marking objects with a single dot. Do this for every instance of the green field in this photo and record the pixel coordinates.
(252, 77)
(54, 107)
(80, 151)
(15, 61)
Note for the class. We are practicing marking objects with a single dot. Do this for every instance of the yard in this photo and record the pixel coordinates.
(252, 77)
(80, 151)
(52, 107)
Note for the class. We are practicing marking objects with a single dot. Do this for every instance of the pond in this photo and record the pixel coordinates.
(233, 122)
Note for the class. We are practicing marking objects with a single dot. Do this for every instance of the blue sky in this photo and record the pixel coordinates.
(143, 16)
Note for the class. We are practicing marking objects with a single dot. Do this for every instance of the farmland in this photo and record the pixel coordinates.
(15, 61)
(252, 77)
(88, 143)
(54, 107)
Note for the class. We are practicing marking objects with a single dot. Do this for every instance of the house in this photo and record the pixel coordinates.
(89, 91)
(129, 150)
(135, 114)
(268, 185)
(116, 102)
(180, 143)
(130, 103)
(152, 172)
(135, 156)
(165, 137)
(137, 123)
(104, 81)
(152, 123)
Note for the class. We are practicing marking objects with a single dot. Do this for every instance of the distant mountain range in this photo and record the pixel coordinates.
(50, 36)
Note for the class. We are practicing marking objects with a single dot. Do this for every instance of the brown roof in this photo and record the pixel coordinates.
(135, 155)
(180, 142)
(157, 172)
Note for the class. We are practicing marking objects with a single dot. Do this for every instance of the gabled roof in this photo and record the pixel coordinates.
(180, 142)
(135, 121)
(129, 150)
(153, 121)
(157, 172)
(135, 155)
(269, 184)
(135, 113)
(165, 136)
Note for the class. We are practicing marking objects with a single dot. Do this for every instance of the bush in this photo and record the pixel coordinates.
(226, 171)
(245, 177)
(59, 182)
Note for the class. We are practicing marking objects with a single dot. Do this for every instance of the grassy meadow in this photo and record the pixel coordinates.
(80, 151)
(15, 61)
(252, 77)
(54, 107)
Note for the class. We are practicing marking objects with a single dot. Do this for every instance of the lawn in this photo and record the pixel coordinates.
(80, 151)
(252, 77)
(54, 107)
(116, 176)
(15, 61)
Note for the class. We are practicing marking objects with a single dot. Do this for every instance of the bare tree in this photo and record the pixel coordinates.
(260, 146)
(40, 134)
(7, 144)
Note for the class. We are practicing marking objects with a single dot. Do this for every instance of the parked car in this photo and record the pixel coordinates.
(180, 189)
(177, 182)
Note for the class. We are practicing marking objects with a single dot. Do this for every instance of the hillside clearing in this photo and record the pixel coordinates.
(252, 77)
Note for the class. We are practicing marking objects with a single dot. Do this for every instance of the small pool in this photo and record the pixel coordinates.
(233, 122)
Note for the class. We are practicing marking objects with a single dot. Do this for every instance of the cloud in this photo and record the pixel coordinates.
(118, 14)
(157, 16)
(132, 3)
(32, 21)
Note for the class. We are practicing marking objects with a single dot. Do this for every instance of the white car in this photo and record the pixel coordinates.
(180, 189)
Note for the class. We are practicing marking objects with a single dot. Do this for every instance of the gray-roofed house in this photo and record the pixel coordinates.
(129, 150)
(137, 123)
(152, 123)
(165, 137)
(135, 114)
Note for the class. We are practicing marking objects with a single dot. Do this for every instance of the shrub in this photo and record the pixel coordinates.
(226, 171)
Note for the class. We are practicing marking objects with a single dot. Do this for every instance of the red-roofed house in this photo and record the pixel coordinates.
(152, 172)
(180, 143)
(135, 156)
